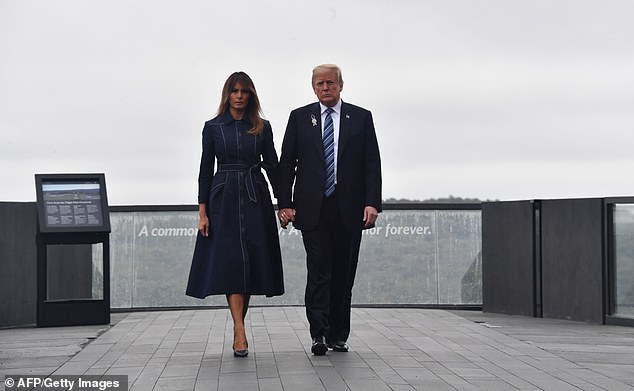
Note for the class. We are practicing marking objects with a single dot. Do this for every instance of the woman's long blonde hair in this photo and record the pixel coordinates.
(253, 110)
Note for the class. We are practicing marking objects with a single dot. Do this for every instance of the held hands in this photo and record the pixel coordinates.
(286, 215)
(369, 216)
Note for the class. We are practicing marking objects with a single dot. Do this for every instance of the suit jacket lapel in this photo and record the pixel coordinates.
(344, 129)
(315, 130)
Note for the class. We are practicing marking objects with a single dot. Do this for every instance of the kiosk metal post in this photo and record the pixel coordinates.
(73, 256)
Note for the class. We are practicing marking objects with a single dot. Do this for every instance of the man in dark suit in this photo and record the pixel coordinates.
(330, 152)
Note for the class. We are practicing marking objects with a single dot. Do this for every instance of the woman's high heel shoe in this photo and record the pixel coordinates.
(242, 352)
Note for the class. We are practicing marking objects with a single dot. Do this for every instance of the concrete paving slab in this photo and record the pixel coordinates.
(392, 349)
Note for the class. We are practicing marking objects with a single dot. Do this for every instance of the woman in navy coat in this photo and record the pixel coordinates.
(237, 250)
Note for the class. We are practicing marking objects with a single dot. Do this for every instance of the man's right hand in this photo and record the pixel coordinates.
(286, 215)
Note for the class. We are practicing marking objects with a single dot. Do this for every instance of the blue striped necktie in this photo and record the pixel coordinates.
(329, 153)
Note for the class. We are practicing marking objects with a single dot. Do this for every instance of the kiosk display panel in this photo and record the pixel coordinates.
(72, 203)
(73, 251)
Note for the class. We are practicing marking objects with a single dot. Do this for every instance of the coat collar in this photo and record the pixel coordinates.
(226, 119)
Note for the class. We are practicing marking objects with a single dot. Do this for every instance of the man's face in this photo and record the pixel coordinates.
(327, 88)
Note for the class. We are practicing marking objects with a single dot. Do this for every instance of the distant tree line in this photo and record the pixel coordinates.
(449, 199)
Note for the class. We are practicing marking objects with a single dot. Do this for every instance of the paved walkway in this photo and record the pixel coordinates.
(392, 349)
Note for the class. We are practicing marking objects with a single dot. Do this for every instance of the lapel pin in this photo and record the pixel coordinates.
(313, 119)
(348, 116)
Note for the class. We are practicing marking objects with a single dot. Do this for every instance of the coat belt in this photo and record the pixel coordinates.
(248, 180)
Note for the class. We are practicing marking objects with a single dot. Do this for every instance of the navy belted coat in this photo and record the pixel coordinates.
(242, 252)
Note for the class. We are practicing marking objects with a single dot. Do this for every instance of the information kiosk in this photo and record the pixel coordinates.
(73, 252)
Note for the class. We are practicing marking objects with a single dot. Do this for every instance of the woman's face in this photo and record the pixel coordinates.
(239, 97)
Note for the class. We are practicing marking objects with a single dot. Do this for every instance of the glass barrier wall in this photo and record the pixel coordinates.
(623, 218)
(417, 257)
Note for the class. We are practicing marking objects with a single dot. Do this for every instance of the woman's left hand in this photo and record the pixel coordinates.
(286, 215)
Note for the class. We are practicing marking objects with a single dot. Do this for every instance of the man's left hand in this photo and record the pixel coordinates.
(369, 216)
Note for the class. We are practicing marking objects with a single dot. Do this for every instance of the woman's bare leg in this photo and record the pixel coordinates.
(246, 306)
(238, 305)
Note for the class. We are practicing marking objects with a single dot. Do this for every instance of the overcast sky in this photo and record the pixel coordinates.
(496, 99)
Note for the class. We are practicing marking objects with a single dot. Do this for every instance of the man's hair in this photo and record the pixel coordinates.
(324, 68)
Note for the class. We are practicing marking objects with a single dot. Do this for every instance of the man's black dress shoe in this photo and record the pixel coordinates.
(339, 346)
(319, 347)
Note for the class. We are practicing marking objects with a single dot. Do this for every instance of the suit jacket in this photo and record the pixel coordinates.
(302, 162)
